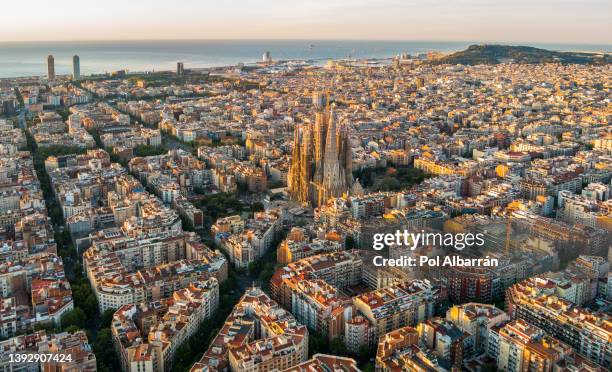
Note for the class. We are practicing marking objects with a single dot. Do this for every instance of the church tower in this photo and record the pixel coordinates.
(321, 159)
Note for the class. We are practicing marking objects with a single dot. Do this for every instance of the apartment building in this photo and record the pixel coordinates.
(536, 302)
(476, 319)
(399, 350)
(320, 307)
(446, 340)
(76, 348)
(160, 327)
(520, 347)
(258, 335)
(397, 306)
(325, 362)
(339, 269)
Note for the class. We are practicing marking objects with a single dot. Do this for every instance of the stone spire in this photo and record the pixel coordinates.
(321, 158)
(334, 182)
(320, 130)
(356, 189)
(293, 178)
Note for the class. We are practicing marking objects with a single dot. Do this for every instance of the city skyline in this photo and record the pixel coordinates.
(253, 186)
(542, 21)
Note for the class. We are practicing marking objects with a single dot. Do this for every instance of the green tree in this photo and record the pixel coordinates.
(105, 352)
(337, 346)
(349, 242)
(91, 305)
(254, 267)
(389, 184)
(46, 327)
(184, 355)
(266, 274)
(146, 150)
(72, 329)
(75, 317)
(368, 368)
(317, 344)
(365, 353)
(186, 224)
(257, 207)
(78, 271)
(107, 318)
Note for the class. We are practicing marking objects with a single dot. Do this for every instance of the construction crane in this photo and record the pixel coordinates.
(508, 230)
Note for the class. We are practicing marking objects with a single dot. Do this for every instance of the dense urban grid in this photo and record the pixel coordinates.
(227, 219)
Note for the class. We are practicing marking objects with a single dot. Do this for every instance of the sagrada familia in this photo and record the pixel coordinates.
(321, 160)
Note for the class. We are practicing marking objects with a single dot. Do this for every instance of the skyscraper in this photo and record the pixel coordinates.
(267, 57)
(321, 158)
(76, 67)
(180, 69)
(51, 67)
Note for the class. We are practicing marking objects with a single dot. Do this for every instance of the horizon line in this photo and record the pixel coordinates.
(517, 43)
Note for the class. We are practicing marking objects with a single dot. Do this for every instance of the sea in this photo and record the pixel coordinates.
(19, 59)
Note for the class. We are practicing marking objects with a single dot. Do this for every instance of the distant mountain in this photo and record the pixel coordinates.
(493, 54)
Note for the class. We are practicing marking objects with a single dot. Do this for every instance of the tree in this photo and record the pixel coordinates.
(64, 112)
(75, 317)
(254, 267)
(389, 184)
(365, 353)
(257, 207)
(400, 178)
(72, 329)
(317, 344)
(147, 150)
(337, 346)
(56, 215)
(221, 205)
(184, 355)
(186, 224)
(91, 305)
(107, 318)
(104, 350)
(78, 271)
(46, 327)
(266, 274)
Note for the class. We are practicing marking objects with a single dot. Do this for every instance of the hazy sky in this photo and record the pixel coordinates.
(553, 21)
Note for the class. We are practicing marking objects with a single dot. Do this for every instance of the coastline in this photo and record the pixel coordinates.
(27, 59)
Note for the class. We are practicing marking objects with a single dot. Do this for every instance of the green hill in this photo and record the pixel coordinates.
(493, 54)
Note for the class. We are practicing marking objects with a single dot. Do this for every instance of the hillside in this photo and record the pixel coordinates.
(493, 54)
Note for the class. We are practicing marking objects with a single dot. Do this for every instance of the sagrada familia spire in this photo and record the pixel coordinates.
(321, 160)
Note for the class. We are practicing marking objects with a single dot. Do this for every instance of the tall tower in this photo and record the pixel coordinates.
(306, 164)
(267, 57)
(334, 181)
(76, 67)
(294, 178)
(50, 67)
(319, 134)
(180, 69)
(346, 153)
(320, 101)
(321, 158)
